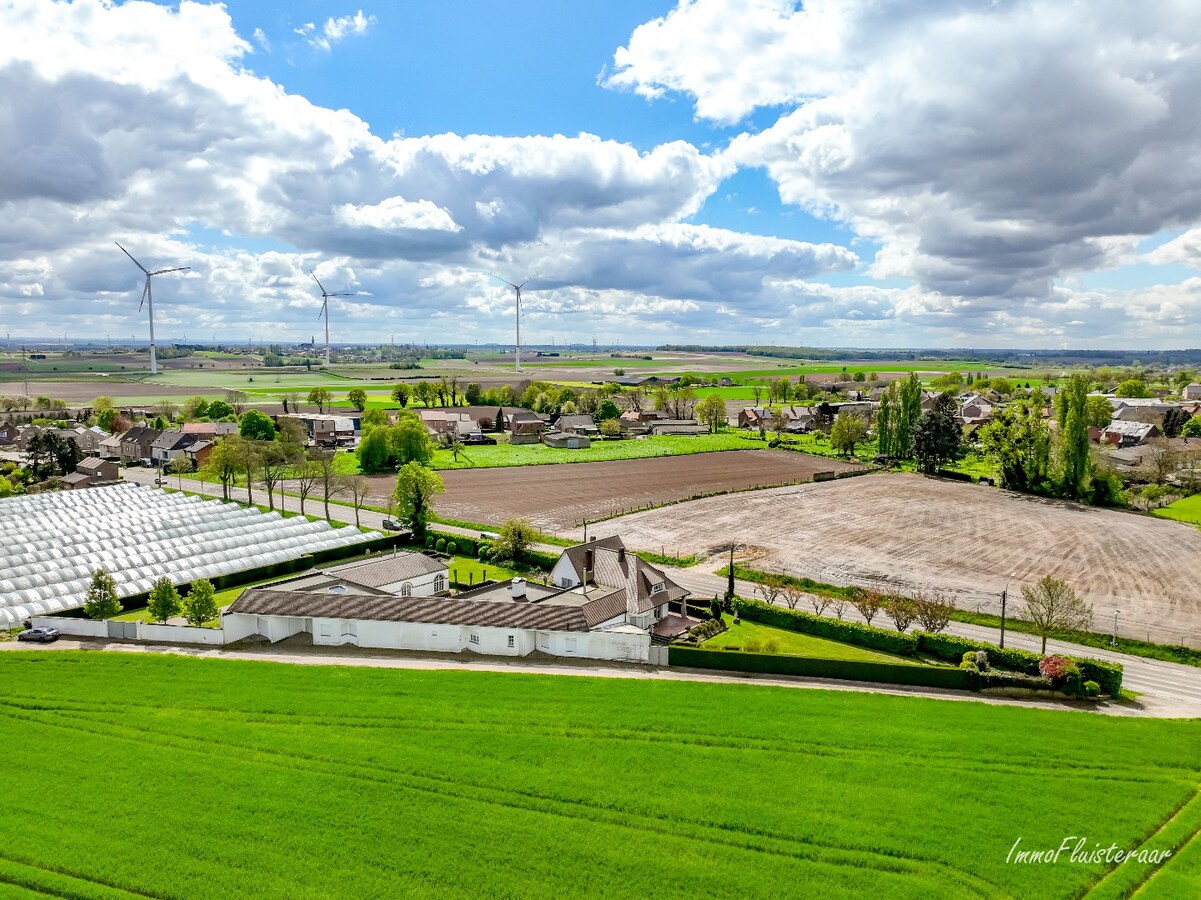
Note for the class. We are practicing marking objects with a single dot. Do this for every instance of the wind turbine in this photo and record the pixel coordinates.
(517, 289)
(148, 300)
(325, 295)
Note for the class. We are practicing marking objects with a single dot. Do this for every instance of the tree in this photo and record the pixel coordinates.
(515, 538)
(1019, 442)
(711, 411)
(1174, 421)
(1052, 605)
(909, 410)
(400, 394)
(1160, 459)
(610, 428)
(902, 610)
(320, 397)
(375, 451)
(416, 488)
(358, 488)
(771, 587)
(179, 467)
(471, 394)
(1192, 428)
(848, 431)
(326, 463)
(424, 392)
(274, 461)
(1132, 387)
(410, 441)
(886, 419)
(200, 605)
(936, 440)
(256, 426)
(357, 398)
(1071, 410)
(374, 418)
(223, 463)
(306, 475)
(219, 409)
(101, 601)
(1098, 411)
(607, 410)
(164, 600)
(791, 594)
(819, 602)
(291, 402)
(248, 457)
(934, 610)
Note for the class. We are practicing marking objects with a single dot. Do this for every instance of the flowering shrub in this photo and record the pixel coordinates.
(1054, 667)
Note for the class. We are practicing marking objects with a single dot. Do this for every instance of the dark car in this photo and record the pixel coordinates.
(477, 438)
(390, 525)
(44, 635)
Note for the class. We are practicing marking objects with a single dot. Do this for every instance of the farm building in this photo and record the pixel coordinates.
(566, 440)
(1192, 392)
(604, 603)
(51, 543)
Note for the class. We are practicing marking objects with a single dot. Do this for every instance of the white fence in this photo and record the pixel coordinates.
(131, 631)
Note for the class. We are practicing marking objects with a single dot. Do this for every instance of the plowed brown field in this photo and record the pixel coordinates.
(906, 532)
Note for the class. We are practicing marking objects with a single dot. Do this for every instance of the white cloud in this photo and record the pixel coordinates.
(397, 214)
(334, 30)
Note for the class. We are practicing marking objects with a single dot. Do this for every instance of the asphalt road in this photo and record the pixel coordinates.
(1173, 689)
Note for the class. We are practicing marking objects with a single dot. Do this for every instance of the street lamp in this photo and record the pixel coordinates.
(1004, 596)
(1114, 641)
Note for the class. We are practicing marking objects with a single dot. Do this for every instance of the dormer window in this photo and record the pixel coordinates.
(656, 588)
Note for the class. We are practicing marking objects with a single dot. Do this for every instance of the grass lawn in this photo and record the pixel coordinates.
(794, 643)
(268, 780)
(1187, 509)
(636, 448)
(466, 570)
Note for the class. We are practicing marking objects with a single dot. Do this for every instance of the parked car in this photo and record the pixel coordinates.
(390, 525)
(478, 438)
(160, 481)
(43, 635)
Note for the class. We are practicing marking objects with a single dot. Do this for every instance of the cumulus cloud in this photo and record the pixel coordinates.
(334, 30)
(991, 149)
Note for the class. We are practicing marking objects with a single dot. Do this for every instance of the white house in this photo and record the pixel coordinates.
(604, 603)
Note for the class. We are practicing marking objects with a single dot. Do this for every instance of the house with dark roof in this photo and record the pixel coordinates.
(525, 427)
(170, 445)
(603, 603)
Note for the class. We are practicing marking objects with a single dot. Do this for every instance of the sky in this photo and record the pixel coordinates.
(933, 173)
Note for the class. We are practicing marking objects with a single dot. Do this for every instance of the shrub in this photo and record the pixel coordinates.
(1055, 667)
(440, 545)
(771, 645)
(481, 551)
(969, 656)
(969, 665)
(452, 548)
(1092, 689)
(429, 541)
(978, 681)
(753, 646)
(836, 630)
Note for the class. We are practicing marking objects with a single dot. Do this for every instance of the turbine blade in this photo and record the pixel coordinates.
(498, 278)
(319, 284)
(145, 291)
(130, 255)
(348, 294)
(165, 271)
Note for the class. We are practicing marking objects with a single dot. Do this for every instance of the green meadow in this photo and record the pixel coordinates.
(168, 776)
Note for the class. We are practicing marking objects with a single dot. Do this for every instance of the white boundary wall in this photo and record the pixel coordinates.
(75, 627)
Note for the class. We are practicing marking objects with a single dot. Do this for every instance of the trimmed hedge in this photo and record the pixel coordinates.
(946, 647)
(978, 681)
(835, 629)
(771, 664)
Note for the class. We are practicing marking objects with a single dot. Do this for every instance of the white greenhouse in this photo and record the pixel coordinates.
(51, 543)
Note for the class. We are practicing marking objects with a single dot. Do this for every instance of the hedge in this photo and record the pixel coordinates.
(766, 663)
(951, 648)
(978, 681)
(835, 629)
(947, 647)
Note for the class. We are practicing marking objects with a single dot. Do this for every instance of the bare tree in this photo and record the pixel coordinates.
(771, 587)
(307, 475)
(756, 391)
(236, 399)
(934, 610)
(1160, 459)
(902, 610)
(792, 595)
(1052, 606)
(868, 602)
(248, 456)
(292, 402)
(357, 487)
(819, 602)
(274, 463)
(839, 605)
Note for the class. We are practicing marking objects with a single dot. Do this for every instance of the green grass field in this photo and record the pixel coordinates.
(793, 643)
(638, 448)
(1187, 509)
(180, 777)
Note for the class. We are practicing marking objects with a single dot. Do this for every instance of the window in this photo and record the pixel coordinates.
(511, 641)
(338, 589)
(543, 640)
(570, 645)
(406, 590)
(439, 583)
(658, 587)
(565, 581)
(474, 638)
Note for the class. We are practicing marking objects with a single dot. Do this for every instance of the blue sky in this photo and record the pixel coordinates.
(837, 174)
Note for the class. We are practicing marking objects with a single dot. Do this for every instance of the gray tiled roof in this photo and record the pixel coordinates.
(611, 568)
(432, 610)
(387, 569)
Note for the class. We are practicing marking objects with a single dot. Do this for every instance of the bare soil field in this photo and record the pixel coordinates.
(558, 498)
(82, 392)
(905, 532)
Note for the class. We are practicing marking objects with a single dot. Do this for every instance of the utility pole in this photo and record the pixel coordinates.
(1114, 641)
(1004, 595)
(730, 580)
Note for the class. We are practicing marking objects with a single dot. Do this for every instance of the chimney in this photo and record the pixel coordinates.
(621, 555)
(517, 589)
(588, 561)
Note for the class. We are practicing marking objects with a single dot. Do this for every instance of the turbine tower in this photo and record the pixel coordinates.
(148, 300)
(517, 289)
(325, 295)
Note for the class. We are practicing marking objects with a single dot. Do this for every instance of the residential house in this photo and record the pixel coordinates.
(1127, 434)
(100, 471)
(446, 423)
(604, 603)
(578, 424)
(399, 574)
(198, 453)
(974, 410)
(754, 417)
(8, 433)
(110, 447)
(210, 430)
(328, 430)
(136, 444)
(170, 445)
(525, 427)
(678, 426)
(1192, 392)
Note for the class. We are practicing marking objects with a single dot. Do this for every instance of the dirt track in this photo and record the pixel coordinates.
(906, 531)
(557, 498)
